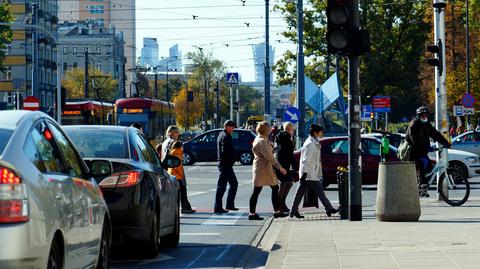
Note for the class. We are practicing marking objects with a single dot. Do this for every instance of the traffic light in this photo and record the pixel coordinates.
(372, 115)
(63, 97)
(235, 106)
(190, 96)
(339, 26)
(438, 61)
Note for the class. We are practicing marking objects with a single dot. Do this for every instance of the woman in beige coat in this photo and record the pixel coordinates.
(263, 174)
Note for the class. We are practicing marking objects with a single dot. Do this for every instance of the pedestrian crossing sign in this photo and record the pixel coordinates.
(232, 78)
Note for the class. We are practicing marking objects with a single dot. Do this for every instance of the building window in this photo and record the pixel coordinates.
(99, 49)
(74, 49)
(65, 66)
(74, 65)
(65, 49)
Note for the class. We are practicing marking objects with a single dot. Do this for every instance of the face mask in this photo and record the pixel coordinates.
(424, 120)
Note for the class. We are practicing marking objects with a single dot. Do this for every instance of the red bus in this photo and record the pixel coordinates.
(154, 115)
(89, 112)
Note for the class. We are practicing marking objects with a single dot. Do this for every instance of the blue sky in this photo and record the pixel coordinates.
(221, 28)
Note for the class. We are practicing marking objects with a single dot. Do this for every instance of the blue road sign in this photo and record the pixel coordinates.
(291, 114)
(366, 112)
(232, 78)
(468, 100)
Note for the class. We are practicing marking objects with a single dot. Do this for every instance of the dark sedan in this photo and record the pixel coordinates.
(142, 198)
(335, 153)
(203, 148)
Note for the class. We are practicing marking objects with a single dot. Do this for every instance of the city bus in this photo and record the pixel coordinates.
(87, 112)
(154, 115)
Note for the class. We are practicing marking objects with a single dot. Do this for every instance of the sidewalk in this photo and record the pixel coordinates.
(444, 237)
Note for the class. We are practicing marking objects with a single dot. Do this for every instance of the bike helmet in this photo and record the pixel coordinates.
(422, 110)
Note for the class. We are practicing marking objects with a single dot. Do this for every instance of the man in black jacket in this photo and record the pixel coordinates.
(226, 160)
(418, 136)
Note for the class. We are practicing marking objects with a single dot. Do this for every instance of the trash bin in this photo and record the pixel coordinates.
(397, 192)
(342, 181)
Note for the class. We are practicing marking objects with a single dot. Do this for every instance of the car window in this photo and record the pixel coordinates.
(339, 147)
(371, 147)
(72, 162)
(4, 138)
(147, 155)
(151, 152)
(210, 137)
(468, 138)
(236, 135)
(48, 159)
(111, 144)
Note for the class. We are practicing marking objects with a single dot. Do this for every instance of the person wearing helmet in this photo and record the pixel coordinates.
(418, 136)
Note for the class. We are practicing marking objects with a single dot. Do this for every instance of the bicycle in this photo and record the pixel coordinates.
(454, 186)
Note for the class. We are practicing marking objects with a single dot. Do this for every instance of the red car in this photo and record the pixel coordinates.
(335, 153)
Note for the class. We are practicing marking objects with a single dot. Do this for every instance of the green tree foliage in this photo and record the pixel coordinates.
(5, 31)
(398, 34)
(74, 78)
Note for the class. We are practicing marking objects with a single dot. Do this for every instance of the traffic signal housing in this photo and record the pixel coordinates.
(438, 60)
(339, 26)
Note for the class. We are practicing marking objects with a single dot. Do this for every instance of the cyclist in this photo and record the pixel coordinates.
(418, 136)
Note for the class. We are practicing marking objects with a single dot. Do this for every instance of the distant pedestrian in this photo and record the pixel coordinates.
(226, 160)
(172, 136)
(453, 131)
(273, 133)
(137, 125)
(311, 171)
(284, 156)
(263, 174)
(179, 173)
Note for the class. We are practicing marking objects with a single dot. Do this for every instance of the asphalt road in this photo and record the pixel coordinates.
(221, 240)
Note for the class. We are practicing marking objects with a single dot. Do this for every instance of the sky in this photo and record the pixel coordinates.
(220, 28)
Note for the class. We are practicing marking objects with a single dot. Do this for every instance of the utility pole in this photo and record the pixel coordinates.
(205, 112)
(217, 107)
(300, 75)
(156, 85)
(186, 89)
(467, 41)
(231, 101)
(35, 51)
(267, 61)
(85, 82)
(238, 107)
(354, 160)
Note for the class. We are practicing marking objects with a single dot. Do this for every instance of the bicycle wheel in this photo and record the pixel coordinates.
(454, 189)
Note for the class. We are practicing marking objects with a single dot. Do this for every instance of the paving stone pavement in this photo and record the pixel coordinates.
(445, 237)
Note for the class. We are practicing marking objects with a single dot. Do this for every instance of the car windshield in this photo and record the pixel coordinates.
(110, 144)
(4, 138)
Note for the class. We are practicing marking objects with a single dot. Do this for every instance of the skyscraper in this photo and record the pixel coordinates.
(259, 61)
(149, 55)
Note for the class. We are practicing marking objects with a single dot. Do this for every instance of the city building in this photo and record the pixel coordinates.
(105, 49)
(173, 62)
(32, 48)
(259, 61)
(111, 13)
(149, 55)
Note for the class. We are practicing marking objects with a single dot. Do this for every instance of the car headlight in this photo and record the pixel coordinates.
(472, 159)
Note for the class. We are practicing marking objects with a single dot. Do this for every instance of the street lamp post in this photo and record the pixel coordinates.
(167, 93)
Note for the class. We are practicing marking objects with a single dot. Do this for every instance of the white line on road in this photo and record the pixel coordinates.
(197, 193)
(225, 219)
(196, 259)
(199, 234)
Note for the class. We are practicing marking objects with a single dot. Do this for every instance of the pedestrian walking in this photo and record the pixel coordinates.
(263, 175)
(311, 171)
(172, 134)
(284, 156)
(179, 173)
(138, 125)
(418, 136)
(226, 160)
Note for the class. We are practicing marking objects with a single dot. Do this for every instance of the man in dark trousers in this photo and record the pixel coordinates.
(418, 136)
(226, 160)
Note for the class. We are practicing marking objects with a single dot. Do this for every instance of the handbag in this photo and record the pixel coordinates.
(404, 151)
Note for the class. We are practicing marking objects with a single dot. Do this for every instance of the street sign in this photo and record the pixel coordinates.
(469, 110)
(291, 114)
(468, 100)
(366, 112)
(458, 111)
(232, 78)
(381, 104)
(31, 103)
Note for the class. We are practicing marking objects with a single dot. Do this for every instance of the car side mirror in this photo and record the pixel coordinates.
(171, 161)
(99, 168)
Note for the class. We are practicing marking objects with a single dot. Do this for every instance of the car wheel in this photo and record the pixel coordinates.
(55, 258)
(460, 167)
(172, 239)
(246, 158)
(153, 245)
(188, 158)
(104, 253)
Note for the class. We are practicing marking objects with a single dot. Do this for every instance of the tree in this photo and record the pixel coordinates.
(74, 83)
(5, 31)
(194, 109)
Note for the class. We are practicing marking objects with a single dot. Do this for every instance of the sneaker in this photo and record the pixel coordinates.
(254, 217)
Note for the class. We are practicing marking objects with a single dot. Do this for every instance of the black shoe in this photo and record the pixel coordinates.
(296, 215)
(285, 209)
(188, 211)
(254, 217)
(280, 215)
(333, 211)
(232, 208)
(220, 211)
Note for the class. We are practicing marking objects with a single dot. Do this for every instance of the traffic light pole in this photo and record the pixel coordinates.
(354, 125)
(300, 75)
(231, 101)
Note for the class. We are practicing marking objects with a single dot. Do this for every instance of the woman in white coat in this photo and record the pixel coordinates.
(311, 172)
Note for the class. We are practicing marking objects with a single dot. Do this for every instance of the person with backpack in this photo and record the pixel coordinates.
(418, 137)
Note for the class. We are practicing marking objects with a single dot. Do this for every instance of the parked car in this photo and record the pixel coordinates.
(142, 197)
(203, 148)
(334, 153)
(469, 141)
(52, 212)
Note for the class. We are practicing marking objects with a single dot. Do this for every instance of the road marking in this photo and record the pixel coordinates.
(199, 234)
(196, 259)
(196, 193)
(224, 219)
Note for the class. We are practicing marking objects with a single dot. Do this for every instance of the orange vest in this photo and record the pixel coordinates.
(177, 171)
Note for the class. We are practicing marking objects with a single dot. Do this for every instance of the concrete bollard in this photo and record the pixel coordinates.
(397, 192)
